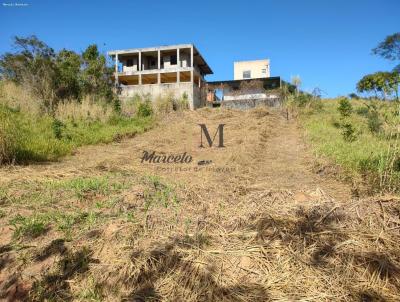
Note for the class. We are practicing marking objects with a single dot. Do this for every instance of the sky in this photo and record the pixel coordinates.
(326, 42)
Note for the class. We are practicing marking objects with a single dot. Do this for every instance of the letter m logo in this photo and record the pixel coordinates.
(220, 130)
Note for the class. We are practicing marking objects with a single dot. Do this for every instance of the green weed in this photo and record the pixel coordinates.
(159, 192)
(30, 227)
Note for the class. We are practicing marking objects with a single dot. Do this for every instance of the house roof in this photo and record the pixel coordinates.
(197, 57)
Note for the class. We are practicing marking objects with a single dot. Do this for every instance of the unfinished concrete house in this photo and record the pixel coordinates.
(178, 70)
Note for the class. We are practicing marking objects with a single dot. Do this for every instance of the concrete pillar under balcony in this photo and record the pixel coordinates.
(116, 68)
(140, 61)
(191, 63)
(159, 67)
(178, 63)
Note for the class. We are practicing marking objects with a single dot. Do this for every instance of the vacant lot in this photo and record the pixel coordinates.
(261, 222)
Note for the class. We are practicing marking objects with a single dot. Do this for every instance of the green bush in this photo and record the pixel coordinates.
(117, 106)
(144, 109)
(348, 132)
(57, 127)
(374, 122)
(345, 108)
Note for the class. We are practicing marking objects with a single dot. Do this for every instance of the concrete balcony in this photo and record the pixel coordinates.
(155, 71)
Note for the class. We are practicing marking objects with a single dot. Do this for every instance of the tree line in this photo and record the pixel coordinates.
(55, 77)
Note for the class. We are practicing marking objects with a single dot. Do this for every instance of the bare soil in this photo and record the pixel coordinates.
(257, 223)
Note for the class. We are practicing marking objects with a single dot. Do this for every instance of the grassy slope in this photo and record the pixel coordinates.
(32, 137)
(90, 231)
(368, 154)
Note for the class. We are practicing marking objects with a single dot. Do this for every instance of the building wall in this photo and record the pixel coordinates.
(162, 90)
(185, 59)
(130, 68)
(255, 67)
(199, 97)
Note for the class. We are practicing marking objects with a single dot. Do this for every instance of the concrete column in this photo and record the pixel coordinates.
(192, 63)
(178, 64)
(116, 68)
(159, 67)
(140, 68)
(140, 61)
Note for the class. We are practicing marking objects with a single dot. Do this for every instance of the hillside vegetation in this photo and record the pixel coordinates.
(29, 134)
(356, 139)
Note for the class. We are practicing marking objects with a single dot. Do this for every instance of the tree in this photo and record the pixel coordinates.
(367, 84)
(32, 66)
(389, 49)
(68, 65)
(385, 82)
(96, 76)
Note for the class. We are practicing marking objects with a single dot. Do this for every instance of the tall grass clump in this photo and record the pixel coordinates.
(25, 137)
(8, 139)
(362, 137)
(168, 103)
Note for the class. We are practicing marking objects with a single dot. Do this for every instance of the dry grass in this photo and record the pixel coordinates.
(85, 110)
(13, 96)
(18, 98)
(168, 103)
(266, 229)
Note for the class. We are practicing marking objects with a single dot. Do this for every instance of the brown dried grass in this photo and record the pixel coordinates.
(83, 110)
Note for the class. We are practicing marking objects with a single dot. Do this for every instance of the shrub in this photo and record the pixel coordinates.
(345, 108)
(144, 109)
(348, 132)
(117, 106)
(58, 127)
(374, 122)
